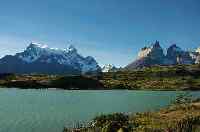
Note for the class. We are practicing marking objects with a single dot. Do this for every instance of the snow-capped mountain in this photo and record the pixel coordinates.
(154, 55)
(69, 60)
(109, 68)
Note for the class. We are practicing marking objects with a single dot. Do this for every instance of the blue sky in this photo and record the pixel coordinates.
(110, 30)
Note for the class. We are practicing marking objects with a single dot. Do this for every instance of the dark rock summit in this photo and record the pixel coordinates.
(175, 55)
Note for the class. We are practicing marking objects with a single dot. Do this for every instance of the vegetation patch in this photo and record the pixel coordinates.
(183, 115)
(177, 77)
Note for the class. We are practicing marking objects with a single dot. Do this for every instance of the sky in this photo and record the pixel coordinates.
(112, 31)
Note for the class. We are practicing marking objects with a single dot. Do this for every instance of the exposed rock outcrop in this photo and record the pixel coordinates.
(148, 56)
(153, 55)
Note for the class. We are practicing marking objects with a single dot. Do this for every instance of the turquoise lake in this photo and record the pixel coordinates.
(51, 110)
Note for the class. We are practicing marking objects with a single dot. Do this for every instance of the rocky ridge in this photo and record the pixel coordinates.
(154, 55)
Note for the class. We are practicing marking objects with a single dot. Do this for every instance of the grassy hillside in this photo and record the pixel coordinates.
(180, 77)
(181, 116)
(50, 81)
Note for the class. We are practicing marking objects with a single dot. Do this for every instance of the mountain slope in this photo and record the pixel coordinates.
(148, 56)
(178, 56)
(154, 55)
(38, 58)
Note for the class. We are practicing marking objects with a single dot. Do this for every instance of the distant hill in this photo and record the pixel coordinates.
(38, 58)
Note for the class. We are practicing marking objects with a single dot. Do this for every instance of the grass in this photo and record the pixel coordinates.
(178, 77)
(180, 116)
(51, 81)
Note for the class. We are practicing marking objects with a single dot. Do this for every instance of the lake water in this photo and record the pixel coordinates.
(51, 110)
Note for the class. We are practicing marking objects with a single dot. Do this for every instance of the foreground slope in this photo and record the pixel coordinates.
(179, 117)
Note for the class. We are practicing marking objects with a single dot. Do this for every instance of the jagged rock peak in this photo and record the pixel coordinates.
(156, 44)
(39, 54)
(154, 51)
(72, 48)
(36, 45)
(44, 47)
(149, 56)
(174, 47)
(173, 51)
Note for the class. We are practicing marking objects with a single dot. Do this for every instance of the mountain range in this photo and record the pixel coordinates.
(154, 55)
(37, 58)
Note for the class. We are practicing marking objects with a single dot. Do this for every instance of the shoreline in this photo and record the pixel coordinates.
(157, 78)
(91, 89)
(177, 117)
